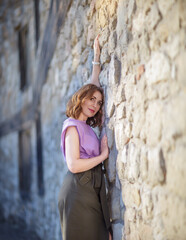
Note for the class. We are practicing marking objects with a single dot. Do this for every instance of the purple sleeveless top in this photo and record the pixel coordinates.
(89, 142)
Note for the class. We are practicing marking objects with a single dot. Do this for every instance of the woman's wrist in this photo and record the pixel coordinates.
(96, 58)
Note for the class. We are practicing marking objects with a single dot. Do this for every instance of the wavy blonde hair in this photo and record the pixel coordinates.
(74, 104)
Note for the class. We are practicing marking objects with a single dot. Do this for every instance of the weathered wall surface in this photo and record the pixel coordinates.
(143, 54)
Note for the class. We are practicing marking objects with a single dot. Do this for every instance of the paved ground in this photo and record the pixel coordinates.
(14, 231)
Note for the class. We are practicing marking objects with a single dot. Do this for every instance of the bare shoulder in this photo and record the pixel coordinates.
(71, 130)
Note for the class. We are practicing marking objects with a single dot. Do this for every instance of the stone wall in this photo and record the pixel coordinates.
(143, 53)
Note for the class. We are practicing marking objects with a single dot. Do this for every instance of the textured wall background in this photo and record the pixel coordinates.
(143, 55)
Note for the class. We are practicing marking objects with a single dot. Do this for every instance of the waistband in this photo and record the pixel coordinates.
(94, 174)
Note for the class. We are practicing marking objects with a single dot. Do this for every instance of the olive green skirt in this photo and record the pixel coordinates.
(83, 207)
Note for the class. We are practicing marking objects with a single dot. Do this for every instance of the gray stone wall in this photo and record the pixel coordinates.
(143, 54)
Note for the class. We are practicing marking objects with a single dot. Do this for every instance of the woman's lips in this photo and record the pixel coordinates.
(92, 110)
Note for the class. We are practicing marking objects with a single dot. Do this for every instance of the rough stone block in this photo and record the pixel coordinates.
(110, 107)
(121, 111)
(165, 5)
(176, 167)
(169, 24)
(133, 162)
(153, 17)
(143, 163)
(120, 137)
(119, 95)
(156, 167)
(112, 42)
(131, 195)
(181, 69)
(153, 124)
(114, 70)
(104, 58)
(157, 69)
(111, 8)
(173, 122)
(167, 208)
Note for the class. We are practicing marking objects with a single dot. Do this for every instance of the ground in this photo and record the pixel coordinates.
(16, 231)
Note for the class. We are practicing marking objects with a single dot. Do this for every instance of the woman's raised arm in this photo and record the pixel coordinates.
(96, 63)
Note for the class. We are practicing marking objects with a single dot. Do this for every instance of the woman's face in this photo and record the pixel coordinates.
(91, 106)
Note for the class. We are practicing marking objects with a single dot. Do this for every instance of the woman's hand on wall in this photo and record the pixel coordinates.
(104, 147)
(96, 49)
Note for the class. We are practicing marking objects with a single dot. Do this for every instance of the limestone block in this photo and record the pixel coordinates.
(144, 49)
(104, 36)
(153, 123)
(152, 92)
(133, 53)
(143, 163)
(78, 22)
(157, 69)
(133, 162)
(147, 205)
(91, 10)
(121, 111)
(138, 23)
(123, 154)
(172, 47)
(112, 42)
(113, 23)
(114, 71)
(121, 28)
(164, 5)
(120, 167)
(153, 17)
(128, 129)
(169, 24)
(90, 34)
(138, 122)
(111, 8)
(145, 232)
(163, 90)
(173, 117)
(131, 8)
(156, 166)
(176, 170)
(129, 91)
(104, 58)
(182, 12)
(181, 69)
(102, 17)
(130, 214)
(103, 78)
(131, 195)
(167, 208)
(110, 107)
(120, 137)
(119, 94)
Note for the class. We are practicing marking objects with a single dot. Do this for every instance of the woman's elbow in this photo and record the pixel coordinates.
(72, 167)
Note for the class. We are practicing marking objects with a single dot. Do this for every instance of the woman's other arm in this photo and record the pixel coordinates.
(74, 162)
(96, 67)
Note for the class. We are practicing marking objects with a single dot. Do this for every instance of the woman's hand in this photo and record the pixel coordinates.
(96, 49)
(110, 236)
(104, 147)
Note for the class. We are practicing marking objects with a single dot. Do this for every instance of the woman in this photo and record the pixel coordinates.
(82, 200)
